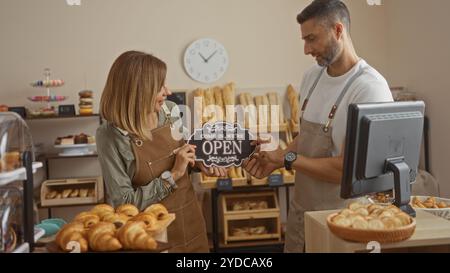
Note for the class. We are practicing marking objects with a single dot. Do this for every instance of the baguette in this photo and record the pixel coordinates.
(198, 109)
(219, 103)
(229, 102)
(295, 109)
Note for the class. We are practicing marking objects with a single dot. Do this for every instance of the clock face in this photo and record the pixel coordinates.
(206, 60)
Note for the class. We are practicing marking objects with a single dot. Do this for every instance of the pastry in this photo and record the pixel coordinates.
(239, 232)
(91, 193)
(83, 193)
(81, 139)
(87, 218)
(295, 110)
(128, 209)
(152, 225)
(158, 210)
(119, 219)
(58, 195)
(102, 237)
(51, 195)
(229, 101)
(134, 236)
(10, 161)
(102, 208)
(85, 112)
(86, 94)
(74, 193)
(66, 193)
(73, 232)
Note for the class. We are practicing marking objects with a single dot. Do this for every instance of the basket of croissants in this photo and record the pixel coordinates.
(370, 222)
(105, 229)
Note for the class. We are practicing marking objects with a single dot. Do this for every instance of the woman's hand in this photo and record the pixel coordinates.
(212, 171)
(184, 156)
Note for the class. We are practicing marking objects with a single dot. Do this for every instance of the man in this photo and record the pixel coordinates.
(327, 89)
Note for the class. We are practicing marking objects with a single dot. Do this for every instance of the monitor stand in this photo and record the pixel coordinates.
(402, 184)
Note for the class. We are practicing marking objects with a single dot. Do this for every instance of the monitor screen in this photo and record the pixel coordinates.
(381, 137)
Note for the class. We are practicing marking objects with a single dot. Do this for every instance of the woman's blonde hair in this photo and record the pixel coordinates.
(130, 92)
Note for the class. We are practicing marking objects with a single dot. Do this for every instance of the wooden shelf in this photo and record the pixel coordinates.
(56, 156)
(255, 244)
(63, 117)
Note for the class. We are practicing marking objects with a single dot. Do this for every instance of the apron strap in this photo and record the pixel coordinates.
(311, 90)
(332, 113)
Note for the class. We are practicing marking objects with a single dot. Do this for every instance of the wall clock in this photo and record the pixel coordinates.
(206, 60)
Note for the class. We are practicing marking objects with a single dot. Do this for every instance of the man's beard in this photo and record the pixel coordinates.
(330, 54)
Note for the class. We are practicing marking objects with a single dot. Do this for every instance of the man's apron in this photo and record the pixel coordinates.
(315, 141)
(188, 232)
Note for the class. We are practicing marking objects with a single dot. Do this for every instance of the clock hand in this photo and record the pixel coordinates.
(211, 56)
(204, 59)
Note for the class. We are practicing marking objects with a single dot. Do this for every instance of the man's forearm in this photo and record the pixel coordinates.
(326, 169)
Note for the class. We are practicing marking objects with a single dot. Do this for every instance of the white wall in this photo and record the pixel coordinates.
(418, 58)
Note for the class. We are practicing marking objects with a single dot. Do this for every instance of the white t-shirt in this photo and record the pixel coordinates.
(368, 87)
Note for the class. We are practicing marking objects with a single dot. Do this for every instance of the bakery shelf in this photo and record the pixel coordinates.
(17, 175)
(23, 248)
(56, 156)
(63, 117)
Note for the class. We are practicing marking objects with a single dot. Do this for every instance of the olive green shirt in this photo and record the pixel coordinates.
(118, 166)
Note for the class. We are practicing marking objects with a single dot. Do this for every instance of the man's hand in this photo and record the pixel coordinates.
(212, 171)
(263, 163)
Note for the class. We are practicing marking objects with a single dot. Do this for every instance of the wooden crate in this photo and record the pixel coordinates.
(93, 184)
(242, 217)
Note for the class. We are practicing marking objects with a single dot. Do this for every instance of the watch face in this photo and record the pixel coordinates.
(206, 60)
(290, 156)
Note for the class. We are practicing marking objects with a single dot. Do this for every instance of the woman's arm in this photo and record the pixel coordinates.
(118, 183)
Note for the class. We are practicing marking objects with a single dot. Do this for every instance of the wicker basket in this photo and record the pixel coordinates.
(365, 236)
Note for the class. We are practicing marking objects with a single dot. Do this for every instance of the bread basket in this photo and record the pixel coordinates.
(442, 212)
(365, 235)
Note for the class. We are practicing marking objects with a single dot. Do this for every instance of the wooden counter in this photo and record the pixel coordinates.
(431, 231)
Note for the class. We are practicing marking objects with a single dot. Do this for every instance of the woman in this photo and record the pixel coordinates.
(141, 162)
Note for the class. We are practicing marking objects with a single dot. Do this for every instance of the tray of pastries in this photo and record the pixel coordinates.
(121, 229)
(435, 205)
(371, 222)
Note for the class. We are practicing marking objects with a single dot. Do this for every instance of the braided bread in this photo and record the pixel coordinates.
(102, 237)
(133, 236)
(73, 232)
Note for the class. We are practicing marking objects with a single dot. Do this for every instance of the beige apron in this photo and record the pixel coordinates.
(188, 232)
(315, 141)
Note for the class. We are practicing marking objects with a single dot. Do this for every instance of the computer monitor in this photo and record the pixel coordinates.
(382, 150)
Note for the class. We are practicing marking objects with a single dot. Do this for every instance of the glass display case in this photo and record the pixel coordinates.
(17, 233)
(15, 139)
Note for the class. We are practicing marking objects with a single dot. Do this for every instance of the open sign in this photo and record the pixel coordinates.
(222, 144)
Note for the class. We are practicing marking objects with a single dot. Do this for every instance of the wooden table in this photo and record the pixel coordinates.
(432, 234)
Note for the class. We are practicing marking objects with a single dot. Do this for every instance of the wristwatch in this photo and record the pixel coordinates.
(167, 176)
(289, 158)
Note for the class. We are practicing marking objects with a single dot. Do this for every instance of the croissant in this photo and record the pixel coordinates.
(102, 208)
(115, 218)
(134, 236)
(102, 237)
(158, 210)
(73, 232)
(128, 209)
(87, 218)
(152, 225)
